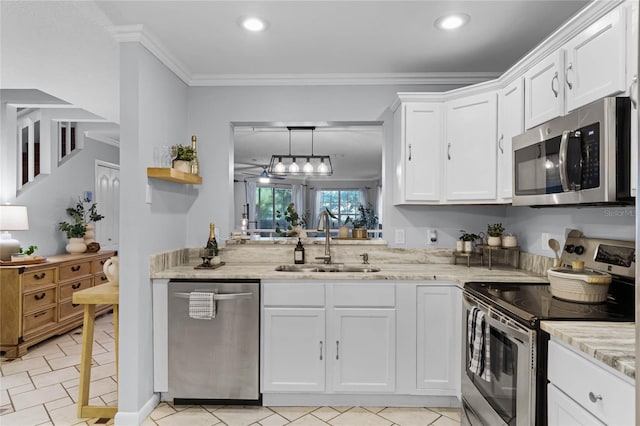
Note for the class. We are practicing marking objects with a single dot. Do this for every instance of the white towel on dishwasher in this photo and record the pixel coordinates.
(202, 305)
(478, 343)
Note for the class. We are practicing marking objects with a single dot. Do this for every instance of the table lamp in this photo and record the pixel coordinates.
(12, 218)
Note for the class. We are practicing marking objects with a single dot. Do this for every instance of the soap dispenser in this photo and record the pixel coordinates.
(298, 253)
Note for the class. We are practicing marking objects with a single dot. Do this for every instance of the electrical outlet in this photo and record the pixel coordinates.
(399, 236)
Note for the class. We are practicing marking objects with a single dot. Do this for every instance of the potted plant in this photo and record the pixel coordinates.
(86, 211)
(182, 157)
(467, 239)
(82, 214)
(296, 223)
(25, 254)
(495, 234)
(366, 220)
(75, 233)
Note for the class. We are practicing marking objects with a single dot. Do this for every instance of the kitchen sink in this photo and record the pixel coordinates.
(326, 268)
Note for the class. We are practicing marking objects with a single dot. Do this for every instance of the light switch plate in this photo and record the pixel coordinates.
(147, 194)
(399, 236)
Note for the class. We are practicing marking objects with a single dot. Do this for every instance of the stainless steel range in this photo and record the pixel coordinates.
(504, 379)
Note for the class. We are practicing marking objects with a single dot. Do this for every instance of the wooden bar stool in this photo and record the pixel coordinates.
(103, 294)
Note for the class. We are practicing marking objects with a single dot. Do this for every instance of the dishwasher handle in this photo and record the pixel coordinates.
(217, 296)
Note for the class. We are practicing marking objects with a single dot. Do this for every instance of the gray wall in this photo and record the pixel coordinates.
(153, 112)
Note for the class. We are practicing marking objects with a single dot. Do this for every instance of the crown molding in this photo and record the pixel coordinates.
(97, 136)
(137, 33)
(342, 79)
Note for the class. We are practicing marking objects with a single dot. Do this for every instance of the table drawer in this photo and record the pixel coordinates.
(100, 279)
(70, 309)
(70, 271)
(38, 320)
(31, 279)
(608, 397)
(38, 300)
(96, 265)
(67, 289)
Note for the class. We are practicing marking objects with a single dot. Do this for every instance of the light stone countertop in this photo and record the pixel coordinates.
(612, 343)
(399, 272)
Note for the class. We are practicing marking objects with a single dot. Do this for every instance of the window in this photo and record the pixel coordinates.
(29, 149)
(341, 203)
(66, 138)
(270, 199)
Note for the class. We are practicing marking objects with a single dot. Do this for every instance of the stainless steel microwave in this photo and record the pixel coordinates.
(581, 158)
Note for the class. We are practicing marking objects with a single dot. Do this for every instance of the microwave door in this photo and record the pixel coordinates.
(537, 168)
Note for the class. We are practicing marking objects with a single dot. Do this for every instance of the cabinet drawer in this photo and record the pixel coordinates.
(70, 271)
(69, 309)
(31, 279)
(38, 300)
(100, 279)
(373, 295)
(294, 294)
(67, 289)
(96, 265)
(38, 320)
(579, 377)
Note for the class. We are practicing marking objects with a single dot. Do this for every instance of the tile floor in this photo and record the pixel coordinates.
(41, 388)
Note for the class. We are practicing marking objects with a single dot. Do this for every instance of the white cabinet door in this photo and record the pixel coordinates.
(418, 130)
(510, 124)
(596, 61)
(544, 90)
(632, 85)
(562, 410)
(294, 349)
(362, 350)
(438, 342)
(470, 155)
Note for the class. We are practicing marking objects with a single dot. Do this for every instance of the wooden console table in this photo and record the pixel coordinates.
(104, 294)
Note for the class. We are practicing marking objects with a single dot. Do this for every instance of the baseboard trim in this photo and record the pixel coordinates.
(302, 400)
(136, 418)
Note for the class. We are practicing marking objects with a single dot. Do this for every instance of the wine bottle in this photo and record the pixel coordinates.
(195, 166)
(212, 244)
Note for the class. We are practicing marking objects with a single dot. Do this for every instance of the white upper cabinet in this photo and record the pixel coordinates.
(595, 64)
(470, 157)
(544, 90)
(417, 152)
(510, 124)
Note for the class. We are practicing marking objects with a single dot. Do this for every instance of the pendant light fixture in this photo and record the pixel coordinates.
(315, 165)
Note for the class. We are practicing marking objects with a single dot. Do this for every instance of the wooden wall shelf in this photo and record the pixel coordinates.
(173, 175)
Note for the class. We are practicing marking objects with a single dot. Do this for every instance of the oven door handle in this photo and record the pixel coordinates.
(507, 326)
(564, 147)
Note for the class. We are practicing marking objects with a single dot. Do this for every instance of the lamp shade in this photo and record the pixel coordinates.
(13, 218)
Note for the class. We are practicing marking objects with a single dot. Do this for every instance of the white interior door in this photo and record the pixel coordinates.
(108, 199)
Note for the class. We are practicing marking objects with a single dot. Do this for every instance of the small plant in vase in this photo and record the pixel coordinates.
(495, 232)
(366, 220)
(25, 254)
(86, 211)
(466, 240)
(182, 157)
(296, 223)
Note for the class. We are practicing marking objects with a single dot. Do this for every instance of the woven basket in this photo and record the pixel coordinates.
(579, 286)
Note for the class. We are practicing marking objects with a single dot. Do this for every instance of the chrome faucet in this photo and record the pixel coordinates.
(327, 236)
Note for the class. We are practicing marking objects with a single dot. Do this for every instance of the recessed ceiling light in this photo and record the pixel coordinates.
(452, 22)
(253, 24)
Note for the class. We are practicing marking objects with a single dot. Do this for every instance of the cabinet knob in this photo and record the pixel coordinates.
(500, 142)
(634, 82)
(337, 349)
(76, 286)
(75, 268)
(39, 296)
(594, 397)
(39, 276)
(449, 151)
(409, 152)
(320, 350)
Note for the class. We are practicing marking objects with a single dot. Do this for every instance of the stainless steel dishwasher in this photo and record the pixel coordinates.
(215, 359)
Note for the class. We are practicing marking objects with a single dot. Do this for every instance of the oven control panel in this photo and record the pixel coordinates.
(612, 256)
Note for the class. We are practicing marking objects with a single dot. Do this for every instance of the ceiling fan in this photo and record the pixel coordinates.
(263, 177)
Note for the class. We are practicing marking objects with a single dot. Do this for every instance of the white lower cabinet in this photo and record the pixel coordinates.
(438, 328)
(584, 391)
(294, 342)
(364, 350)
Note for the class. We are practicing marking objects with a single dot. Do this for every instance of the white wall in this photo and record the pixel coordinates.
(62, 48)
(153, 112)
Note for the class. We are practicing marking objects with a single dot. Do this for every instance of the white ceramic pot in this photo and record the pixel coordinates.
(111, 269)
(494, 241)
(509, 241)
(90, 234)
(183, 166)
(76, 245)
(468, 246)
(459, 245)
